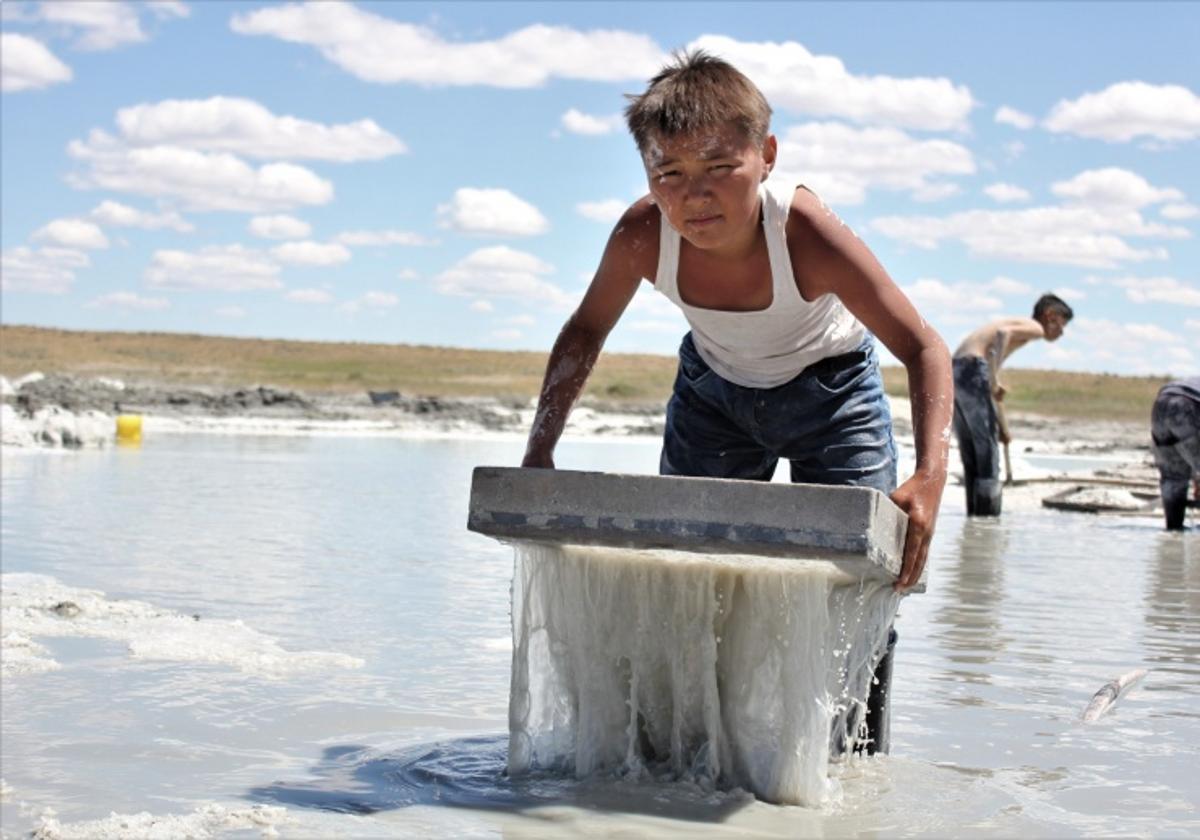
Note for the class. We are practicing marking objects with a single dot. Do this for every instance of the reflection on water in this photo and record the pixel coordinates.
(968, 623)
(1172, 613)
(359, 547)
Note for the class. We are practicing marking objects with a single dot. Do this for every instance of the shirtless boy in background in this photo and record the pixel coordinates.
(978, 395)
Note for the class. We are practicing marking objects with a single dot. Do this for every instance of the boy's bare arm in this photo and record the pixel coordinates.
(828, 258)
(631, 254)
(1011, 334)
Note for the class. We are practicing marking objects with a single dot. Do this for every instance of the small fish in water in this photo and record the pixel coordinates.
(1109, 693)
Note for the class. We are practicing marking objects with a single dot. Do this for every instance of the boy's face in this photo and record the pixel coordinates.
(707, 184)
(1053, 323)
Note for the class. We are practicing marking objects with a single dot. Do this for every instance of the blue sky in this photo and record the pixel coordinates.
(448, 173)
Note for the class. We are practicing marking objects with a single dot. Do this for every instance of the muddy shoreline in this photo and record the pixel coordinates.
(1049, 454)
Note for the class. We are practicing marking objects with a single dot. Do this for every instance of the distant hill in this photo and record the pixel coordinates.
(622, 378)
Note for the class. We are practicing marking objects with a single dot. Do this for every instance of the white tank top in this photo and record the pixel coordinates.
(766, 347)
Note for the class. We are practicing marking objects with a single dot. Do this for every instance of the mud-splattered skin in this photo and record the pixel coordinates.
(707, 187)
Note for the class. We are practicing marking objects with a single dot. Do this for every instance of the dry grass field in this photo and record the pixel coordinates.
(448, 371)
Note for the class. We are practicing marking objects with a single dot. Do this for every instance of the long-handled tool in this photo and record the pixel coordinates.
(1002, 422)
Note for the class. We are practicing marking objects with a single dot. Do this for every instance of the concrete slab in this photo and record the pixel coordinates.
(857, 528)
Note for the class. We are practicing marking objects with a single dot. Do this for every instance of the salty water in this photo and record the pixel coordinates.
(358, 547)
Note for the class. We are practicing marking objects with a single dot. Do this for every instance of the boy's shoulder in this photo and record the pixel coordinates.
(634, 238)
(813, 229)
(804, 205)
(640, 219)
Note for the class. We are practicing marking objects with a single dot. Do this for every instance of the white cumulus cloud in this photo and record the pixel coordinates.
(1015, 118)
(27, 64)
(1066, 235)
(44, 270)
(1129, 347)
(1114, 186)
(1127, 110)
(1178, 212)
(841, 162)
(931, 294)
(1089, 229)
(607, 211)
(115, 214)
(577, 122)
(1006, 193)
(1008, 286)
(502, 272)
(72, 233)
(311, 253)
(244, 127)
(102, 26)
(280, 226)
(1158, 290)
(105, 25)
(794, 79)
(378, 49)
(201, 180)
(494, 212)
(227, 268)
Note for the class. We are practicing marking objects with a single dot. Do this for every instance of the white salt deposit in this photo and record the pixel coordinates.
(207, 821)
(20, 654)
(39, 606)
(726, 671)
(55, 426)
(1109, 498)
(28, 379)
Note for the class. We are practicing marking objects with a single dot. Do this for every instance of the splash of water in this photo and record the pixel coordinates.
(728, 671)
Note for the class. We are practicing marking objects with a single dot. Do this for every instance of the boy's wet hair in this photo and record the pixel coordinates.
(697, 92)
(1048, 302)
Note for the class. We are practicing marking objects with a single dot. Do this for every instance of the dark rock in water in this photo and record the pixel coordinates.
(426, 405)
(383, 397)
(27, 404)
(66, 609)
(270, 396)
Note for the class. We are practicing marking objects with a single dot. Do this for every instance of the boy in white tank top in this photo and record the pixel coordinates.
(780, 296)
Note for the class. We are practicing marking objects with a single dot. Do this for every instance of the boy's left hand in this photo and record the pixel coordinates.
(919, 497)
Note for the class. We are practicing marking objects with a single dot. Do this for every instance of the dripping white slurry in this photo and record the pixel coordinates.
(729, 671)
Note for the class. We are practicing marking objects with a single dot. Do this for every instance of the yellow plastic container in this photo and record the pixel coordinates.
(129, 428)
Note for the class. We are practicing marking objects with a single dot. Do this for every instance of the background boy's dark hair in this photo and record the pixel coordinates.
(1049, 302)
(696, 91)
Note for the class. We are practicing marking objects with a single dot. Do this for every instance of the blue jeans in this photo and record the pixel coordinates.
(831, 422)
(1175, 431)
(975, 427)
